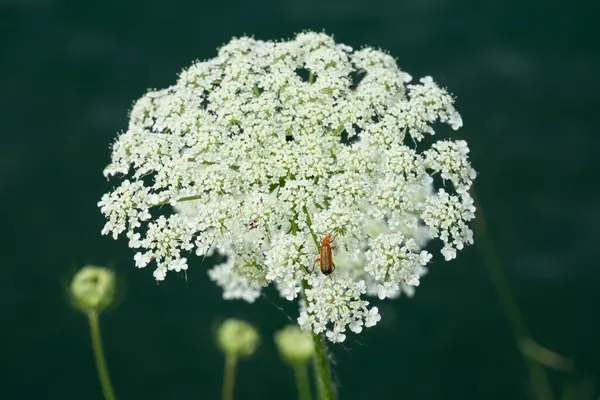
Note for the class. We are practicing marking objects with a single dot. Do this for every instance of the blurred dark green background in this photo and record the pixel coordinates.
(526, 77)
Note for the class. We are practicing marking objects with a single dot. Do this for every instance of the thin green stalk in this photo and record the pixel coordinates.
(103, 375)
(302, 382)
(229, 379)
(537, 374)
(323, 379)
(324, 383)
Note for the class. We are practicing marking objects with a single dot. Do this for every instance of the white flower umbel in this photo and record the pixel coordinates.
(263, 150)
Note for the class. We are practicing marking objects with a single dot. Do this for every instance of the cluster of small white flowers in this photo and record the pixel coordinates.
(394, 259)
(235, 286)
(125, 207)
(339, 302)
(447, 216)
(287, 264)
(450, 160)
(267, 148)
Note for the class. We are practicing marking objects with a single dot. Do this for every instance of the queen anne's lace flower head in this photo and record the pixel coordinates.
(270, 146)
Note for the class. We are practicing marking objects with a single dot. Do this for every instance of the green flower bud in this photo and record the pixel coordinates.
(93, 288)
(237, 338)
(295, 345)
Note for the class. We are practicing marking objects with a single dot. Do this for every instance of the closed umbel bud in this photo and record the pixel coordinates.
(237, 338)
(295, 346)
(93, 288)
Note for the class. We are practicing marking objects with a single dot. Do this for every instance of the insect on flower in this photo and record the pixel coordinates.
(326, 257)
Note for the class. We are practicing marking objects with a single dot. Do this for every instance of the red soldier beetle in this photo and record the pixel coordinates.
(326, 257)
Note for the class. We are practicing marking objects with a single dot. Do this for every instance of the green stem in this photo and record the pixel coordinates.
(301, 373)
(229, 379)
(103, 375)
(537, 374)
(322, 371)
(324, 383)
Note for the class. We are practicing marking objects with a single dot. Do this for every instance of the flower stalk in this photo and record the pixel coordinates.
(302, 382)
(297, 349)
(103, 375)
(92, 291)
(229, 377)
(236, 339)
(321, 360)
(323, 379)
